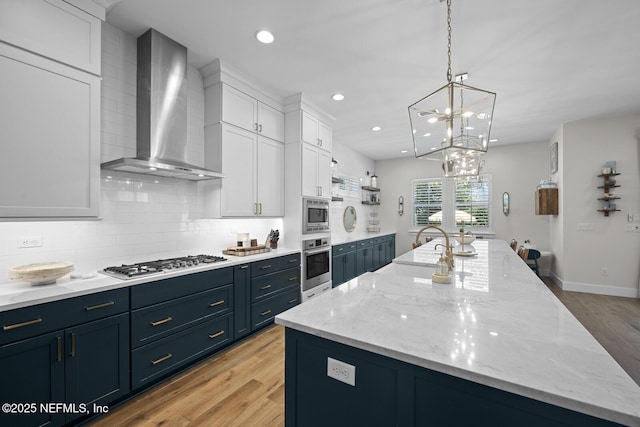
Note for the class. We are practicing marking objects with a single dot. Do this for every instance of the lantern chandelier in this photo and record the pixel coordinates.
(454, 120)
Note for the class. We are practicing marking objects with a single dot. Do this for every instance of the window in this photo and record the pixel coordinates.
(427, 202)
(472, 203)
(452, 204)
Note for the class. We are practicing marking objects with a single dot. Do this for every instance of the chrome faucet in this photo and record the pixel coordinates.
(448, 247)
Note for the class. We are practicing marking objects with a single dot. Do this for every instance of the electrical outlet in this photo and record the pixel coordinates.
(30, 242)
(634, 228)
(605, 271)
(341, 371)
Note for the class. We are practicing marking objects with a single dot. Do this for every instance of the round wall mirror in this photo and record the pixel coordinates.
(350, 218)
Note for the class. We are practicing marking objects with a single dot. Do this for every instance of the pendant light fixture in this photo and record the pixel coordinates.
(455, 120)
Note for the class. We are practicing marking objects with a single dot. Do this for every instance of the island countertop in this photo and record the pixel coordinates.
(496, 324)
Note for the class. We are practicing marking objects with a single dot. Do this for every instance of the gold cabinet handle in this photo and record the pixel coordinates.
(264, 313)
(20, 325)
(291, 261)
(265, 287)
(291, 279)
(255, 127)
(217, 334)
(213, 304)
(162, 359)
(160, 322)
(264, 267)
(260, 127)
(244, 267)
(340, 249)
(106, 304)
(59, 349)
(291, 301)
(73, 345)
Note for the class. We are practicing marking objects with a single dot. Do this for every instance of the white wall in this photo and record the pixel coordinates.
(352, 164)
(142, 217)
(516, 169)
(587, 144)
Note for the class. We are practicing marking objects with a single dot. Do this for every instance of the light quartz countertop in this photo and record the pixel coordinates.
(22, 294)
(496, 324)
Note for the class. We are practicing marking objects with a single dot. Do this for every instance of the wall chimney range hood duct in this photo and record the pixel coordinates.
(161, 113)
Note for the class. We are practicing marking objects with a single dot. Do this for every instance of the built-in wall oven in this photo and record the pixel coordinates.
(316, 267)
(316, 215)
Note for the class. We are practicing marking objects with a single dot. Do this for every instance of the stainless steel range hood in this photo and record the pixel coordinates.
(161, 113)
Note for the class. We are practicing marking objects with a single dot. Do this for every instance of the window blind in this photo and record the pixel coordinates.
(427, 202)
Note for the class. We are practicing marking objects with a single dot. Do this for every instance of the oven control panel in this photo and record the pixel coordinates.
(315, 243)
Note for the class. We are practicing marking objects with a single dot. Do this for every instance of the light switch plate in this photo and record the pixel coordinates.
(341, 371)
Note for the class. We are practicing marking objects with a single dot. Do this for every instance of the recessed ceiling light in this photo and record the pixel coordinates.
(494, 140)
(337, 97)
(427, 134)
(403, 151)
(376, 128)
(264, 36)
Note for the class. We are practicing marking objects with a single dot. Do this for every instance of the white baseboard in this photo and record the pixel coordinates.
(590, 288)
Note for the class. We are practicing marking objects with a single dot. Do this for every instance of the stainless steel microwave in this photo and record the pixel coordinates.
(316, 215)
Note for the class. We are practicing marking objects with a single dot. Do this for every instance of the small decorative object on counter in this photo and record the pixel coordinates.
(442, 274)
(242, 237)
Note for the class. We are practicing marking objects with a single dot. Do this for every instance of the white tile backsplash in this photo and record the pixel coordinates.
(142, 217)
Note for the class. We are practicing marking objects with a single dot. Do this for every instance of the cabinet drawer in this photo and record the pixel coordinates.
(265, 286)
(176, 287)
(159, 320)
(344, 248)
(263, 312)
(162, 357)
(38, 319)
(364, 243)
(267, 266)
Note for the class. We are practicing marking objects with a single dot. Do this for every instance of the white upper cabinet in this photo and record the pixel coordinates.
(316, 172)
(242, 110)
(316, 132)
(55, 29)
(50, 55)
(253, 167)
(50, 133)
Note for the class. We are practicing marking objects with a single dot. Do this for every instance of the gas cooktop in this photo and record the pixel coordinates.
(130, 271)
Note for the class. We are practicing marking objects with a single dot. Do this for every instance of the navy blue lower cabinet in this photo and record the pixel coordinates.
(364, 260)
(32, 372)
(382, 391)
(161, 358)
(97, 362)
(242, 300)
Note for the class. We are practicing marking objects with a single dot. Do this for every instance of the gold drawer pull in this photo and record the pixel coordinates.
(73, 345)
(162, 359)
(265, 287)
(264, 313)
(217, 334)
(244, 267)
(93, 307)
(293, 300)
(20, 325)
(160, 322)
(264, 267)
(291, 261)
(213, 304)
(291, 279)
(59, 349)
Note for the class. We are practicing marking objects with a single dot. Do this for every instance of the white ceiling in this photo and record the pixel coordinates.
(549, 61)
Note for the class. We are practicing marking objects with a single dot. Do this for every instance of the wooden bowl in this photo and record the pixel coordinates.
(41, 273)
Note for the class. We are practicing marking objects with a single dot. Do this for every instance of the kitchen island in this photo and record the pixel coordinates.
(494, 347)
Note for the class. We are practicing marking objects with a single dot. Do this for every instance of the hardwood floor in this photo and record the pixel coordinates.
(241, 386)
(244, 385)
(613, 321)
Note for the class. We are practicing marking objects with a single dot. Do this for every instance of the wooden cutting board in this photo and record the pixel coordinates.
(244, 251)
